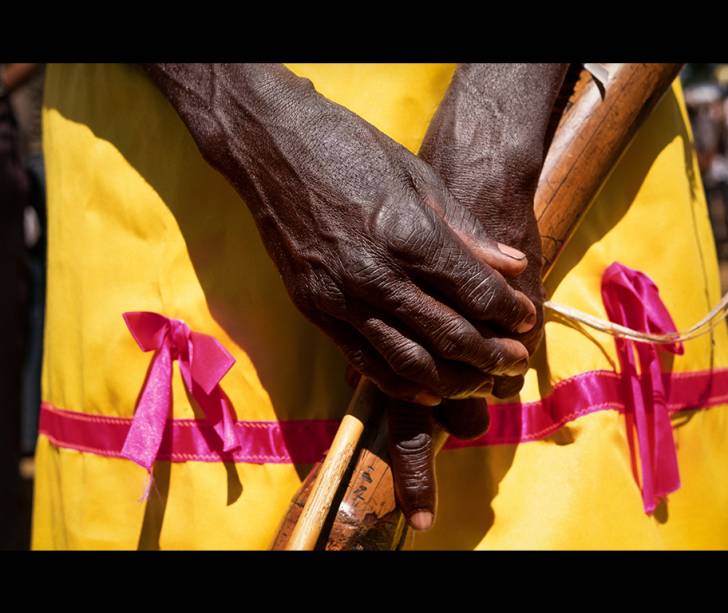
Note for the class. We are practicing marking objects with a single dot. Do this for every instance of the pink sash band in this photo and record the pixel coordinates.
(305, 441)
(640, 391)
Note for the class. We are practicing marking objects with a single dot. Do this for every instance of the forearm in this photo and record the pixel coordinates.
(522, 93)
(487, 140)
(275, 139)
(228, 107)
(239, 115)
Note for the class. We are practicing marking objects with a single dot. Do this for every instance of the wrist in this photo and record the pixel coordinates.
(487, 141)
(518, 97)
(228, 107)
(255, 116)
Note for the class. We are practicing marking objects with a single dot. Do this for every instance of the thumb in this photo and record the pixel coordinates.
(507, 260)
(412, 456)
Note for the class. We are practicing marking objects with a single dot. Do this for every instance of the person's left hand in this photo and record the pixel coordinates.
(486, 142)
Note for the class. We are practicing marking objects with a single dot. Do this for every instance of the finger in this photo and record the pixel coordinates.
(476, 290)
(451, 337)
(505, 387)
(507, 260)
(409, 359)
(464, 419)
(412, 456)
(363, 358)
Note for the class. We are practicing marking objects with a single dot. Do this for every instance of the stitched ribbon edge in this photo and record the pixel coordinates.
(305, 441)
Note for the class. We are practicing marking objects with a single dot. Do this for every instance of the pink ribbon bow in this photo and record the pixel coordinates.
(203, 362)
(632, 299)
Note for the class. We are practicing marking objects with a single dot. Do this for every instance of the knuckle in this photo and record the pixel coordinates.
(367, 271)
(384, 379)
(415, 449)
(414, 475)
(313, 293)
(409, 360)
(405, 226)
(450, 339)
(482, 293)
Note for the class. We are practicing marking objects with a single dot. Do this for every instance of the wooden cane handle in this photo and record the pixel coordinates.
(595, 129)
(335, 464)
(593, 132)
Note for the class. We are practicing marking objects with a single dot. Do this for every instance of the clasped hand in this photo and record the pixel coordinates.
(425, 271)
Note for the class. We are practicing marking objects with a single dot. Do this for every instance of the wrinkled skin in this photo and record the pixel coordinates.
(393, 256)
(486, 142)
(369, 242)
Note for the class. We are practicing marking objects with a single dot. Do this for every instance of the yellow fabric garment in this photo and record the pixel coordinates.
(138, 221)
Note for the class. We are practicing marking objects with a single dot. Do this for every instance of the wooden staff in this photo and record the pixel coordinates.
(596, 123)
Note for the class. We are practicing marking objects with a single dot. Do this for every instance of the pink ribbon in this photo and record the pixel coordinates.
(203, 362)
(632, 299)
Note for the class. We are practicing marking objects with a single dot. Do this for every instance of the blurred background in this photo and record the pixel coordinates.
(706, 96)
(22, 277)
(23, 255)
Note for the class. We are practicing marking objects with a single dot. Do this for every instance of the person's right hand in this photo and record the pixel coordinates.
(369, 242)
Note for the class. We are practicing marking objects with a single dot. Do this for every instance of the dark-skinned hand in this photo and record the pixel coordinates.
(370, 244)
(486, 142)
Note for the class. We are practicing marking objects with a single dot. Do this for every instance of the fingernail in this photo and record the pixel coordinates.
(527, 324)
(421, 520)
(429, 400)
(511, 252)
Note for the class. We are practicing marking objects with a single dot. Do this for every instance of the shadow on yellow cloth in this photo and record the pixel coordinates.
(138, 221)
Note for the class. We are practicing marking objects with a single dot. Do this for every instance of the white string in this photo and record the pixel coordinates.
(705, 325)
